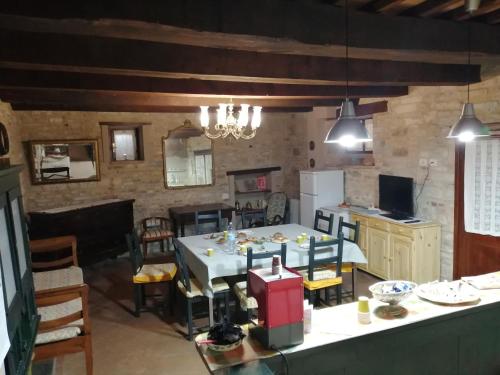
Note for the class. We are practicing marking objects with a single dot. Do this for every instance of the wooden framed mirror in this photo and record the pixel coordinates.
(187, 158)
(63, 161)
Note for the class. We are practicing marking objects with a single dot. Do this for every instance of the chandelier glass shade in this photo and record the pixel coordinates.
(228, 124)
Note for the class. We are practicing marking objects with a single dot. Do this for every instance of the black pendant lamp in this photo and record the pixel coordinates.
(468, 126)
(348, 130)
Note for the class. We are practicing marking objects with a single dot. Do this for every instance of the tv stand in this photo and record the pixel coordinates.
(396, 216)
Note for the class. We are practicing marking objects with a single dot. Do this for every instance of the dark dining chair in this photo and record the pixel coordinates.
(253, 218)
(143, 274)
(354, 238)
(319, 216)
(207, 217)
(323, 272)
(192, 290)
(247, 302)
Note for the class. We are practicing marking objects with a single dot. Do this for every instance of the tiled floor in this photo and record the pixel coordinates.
(123, 344)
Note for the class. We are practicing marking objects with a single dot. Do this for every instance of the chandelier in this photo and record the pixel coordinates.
(227, 123)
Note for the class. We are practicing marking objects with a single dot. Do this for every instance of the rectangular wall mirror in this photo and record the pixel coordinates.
(188, 158)
(63, 161)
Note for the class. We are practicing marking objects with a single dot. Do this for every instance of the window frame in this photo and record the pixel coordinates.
(139, 139)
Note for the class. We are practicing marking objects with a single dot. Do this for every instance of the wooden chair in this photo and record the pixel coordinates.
(156, 229)
(276, 208)
(324, 272)
(65, 323)
(53, 252)
(207, 217)
(143, 274)
(248, 303)
(253, 218)
(354, 238)
(320, 217)
(192, 290)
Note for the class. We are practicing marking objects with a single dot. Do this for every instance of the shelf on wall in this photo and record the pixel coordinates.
(253, 192)
(251, 171)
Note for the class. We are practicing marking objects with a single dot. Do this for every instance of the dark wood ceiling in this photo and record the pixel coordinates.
(488, 11)
(287, 55)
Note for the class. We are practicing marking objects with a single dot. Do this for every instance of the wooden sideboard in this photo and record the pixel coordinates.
(100, 227)
(399, 251)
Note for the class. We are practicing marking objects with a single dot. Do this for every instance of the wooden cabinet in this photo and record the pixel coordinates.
(400, 259)
(100, 227)
(400, 251)
(18, 290)
(378, 254)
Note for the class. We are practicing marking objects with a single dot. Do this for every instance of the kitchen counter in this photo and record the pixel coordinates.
(431, 339)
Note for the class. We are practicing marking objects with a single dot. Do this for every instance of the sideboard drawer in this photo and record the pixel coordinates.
(404, 231)
(379, 224)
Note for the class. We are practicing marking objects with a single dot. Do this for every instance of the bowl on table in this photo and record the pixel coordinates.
(392, 291)
(225, 336)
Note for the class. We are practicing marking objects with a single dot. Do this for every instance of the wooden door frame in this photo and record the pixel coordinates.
(463, 264)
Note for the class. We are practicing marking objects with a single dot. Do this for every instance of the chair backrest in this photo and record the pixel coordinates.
(134, 249)
(207, 217)
(276, 208)
(268, 254)
(253, 218)
(316, 248)
(155, 222)
(354, 227)
(320, 216)
(53, 253)
(182, 266)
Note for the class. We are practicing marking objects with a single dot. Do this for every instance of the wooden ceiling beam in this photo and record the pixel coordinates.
(366, 110)
(292, 32)
(486, 6)
(124, 98)
(390, 7)
(493, 18)
(132, 108)
(432, 8)
(89, 54)
(190, 87)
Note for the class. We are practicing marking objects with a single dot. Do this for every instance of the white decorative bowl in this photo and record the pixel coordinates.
(226, 348)
(392, 298)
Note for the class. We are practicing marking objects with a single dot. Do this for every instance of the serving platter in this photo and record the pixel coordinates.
(448, 293)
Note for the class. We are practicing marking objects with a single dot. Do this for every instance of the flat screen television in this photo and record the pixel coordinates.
(396, 196)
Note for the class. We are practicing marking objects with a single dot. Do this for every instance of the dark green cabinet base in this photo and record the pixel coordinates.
(465, 343)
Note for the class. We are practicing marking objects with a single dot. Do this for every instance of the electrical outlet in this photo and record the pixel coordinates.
(423, 163)
(433, 163)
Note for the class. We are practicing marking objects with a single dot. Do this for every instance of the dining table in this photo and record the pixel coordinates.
(223, 262)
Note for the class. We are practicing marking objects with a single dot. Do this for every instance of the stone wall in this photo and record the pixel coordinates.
(415, 127)
(278, 143)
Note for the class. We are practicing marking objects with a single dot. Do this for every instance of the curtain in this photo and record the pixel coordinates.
(482, 187)
(125, 144)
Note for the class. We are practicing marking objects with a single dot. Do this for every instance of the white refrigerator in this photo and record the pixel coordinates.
(319, 189)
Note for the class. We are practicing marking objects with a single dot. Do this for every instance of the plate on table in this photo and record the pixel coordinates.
(448, 293)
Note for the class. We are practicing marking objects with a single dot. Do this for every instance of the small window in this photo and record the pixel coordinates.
(126, 142)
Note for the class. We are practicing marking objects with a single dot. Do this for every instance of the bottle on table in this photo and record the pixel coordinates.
(231, 238)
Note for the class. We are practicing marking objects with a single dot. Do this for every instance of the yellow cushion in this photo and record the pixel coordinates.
(153, 273)
(323, 278)
(156, 234)
(346, 267)
(240, 290)
(218, 285)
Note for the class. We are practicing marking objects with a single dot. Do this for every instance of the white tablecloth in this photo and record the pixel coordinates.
(221, 264)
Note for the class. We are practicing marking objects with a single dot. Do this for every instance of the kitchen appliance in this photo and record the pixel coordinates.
(396, 196)
(319, 189)
(281, 307)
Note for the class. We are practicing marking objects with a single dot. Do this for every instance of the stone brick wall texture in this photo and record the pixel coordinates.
(278, 143)
(416, 127)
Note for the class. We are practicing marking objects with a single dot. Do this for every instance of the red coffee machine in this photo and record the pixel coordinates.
(281, 306)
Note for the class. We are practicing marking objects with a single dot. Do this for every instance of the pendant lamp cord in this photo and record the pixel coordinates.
(468, 60)
(346, 50)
